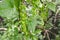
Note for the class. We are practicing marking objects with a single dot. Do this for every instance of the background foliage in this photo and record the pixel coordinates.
(22, 17)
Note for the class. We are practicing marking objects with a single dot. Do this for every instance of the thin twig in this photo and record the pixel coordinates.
(3, 29)
(48, 36)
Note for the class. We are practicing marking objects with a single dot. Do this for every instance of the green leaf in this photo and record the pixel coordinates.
(51, 6)
(6, 4)
(8, 10)
(32, 23)
(17, 2)
(9, 13)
